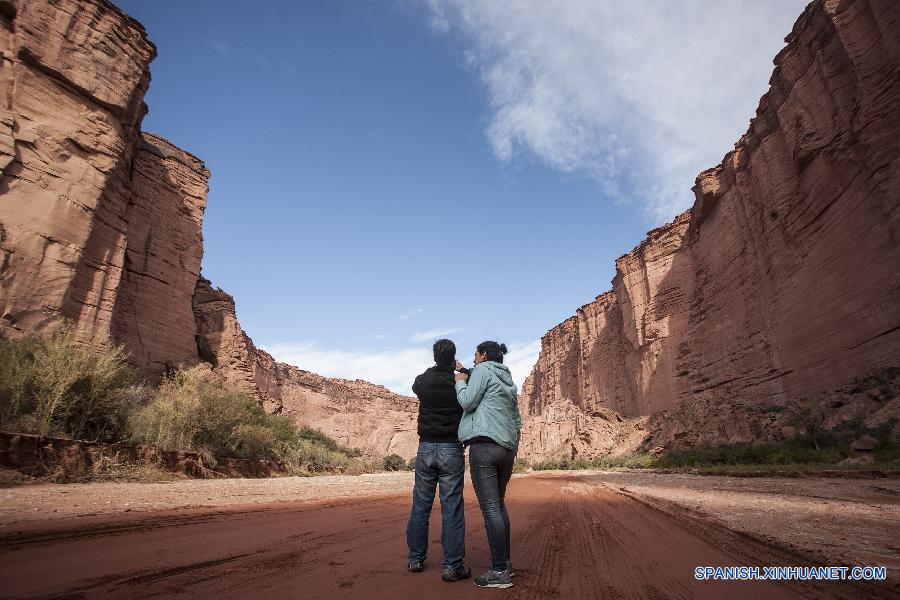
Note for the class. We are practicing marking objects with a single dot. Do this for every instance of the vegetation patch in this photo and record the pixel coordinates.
(83, 389)
(794, 456)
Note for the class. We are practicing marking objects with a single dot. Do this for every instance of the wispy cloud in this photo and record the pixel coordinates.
(395, 369)
(409, 315)
(521, 359)
(432, 334)
(639, 95)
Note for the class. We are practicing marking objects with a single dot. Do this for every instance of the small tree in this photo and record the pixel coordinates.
(394, 462)
(810, 421)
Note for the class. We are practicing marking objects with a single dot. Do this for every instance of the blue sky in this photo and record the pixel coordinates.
(384, 173)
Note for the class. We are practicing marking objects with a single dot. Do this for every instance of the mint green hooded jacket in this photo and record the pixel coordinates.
(490, 405)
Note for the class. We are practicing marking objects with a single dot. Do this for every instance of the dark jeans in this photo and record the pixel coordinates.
(491, 466)
(444, 464)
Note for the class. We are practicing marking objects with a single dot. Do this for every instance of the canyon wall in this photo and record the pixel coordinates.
(100, 223)
(74, 76)
(778, 286)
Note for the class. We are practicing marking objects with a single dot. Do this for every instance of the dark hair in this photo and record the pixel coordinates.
(492, 350)
(444, 352)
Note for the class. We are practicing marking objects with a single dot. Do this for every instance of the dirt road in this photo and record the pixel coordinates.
(572, 538)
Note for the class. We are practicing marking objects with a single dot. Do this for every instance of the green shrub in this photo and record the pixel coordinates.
(77, 380)
(394, 462)
(190, 411)
(411, 464)
(248, 441)
(170, 420)
(67, 384)
(309, 458)
(16, 379)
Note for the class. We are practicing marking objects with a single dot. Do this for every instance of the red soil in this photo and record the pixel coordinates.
(571, 539)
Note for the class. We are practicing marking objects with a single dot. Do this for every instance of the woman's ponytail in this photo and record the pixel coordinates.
(492, 350)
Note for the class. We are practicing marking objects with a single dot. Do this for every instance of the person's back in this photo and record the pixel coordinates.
(440, 460)
(439, 412)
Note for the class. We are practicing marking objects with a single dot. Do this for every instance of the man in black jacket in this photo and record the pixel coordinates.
(439, 460)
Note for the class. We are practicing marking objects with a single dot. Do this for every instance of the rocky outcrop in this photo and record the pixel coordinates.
(777, 287)
(74, 76)
(153, 315)
(356, 413)
(100, 224)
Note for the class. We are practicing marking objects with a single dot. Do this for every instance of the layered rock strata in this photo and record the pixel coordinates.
(100, 223)
(780, 283)
(74, 76)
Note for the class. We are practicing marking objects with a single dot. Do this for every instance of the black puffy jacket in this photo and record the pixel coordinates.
(439, 412)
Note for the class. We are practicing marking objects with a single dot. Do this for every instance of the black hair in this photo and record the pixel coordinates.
(492, 350)
(444, 353)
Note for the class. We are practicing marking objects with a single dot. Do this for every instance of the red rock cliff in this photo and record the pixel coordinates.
(779, 284)
(100, 223)
(74, 76)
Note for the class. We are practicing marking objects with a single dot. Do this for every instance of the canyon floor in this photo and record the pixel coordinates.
(584, 534)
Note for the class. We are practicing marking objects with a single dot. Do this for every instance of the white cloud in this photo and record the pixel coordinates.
(521, 359)
(639, 95)
(431, 335)
(395, 369)
(409, 315)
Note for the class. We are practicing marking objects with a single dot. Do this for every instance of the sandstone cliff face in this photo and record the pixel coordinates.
(153, 314)
(74, 75)
(780, 284)
(100, 223)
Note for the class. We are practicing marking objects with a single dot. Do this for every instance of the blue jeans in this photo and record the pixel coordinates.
(444, 464)
(491, 466)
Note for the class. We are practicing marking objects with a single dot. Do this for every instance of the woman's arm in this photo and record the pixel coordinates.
(469, 394)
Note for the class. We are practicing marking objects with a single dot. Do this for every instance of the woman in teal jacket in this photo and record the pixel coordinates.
(490, 427)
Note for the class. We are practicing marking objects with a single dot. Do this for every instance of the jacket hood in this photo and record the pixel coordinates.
(500, 370)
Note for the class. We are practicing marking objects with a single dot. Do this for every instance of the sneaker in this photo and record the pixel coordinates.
(415, 567)
(494, 579)
(461, 572)
(510, 569)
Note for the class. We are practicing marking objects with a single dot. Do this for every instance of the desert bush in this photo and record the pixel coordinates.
(394, 462)
(65, 384)
(192, 412)
(248, 441)
(76, 380)
(411, 464)
(170, 419)
(309, 458)
(16, 378)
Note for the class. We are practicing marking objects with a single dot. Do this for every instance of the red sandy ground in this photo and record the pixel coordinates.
(572, 538)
